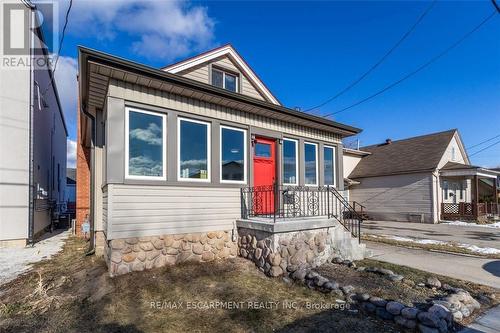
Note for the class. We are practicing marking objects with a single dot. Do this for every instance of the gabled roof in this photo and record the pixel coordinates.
(421, 153)
(230, 52)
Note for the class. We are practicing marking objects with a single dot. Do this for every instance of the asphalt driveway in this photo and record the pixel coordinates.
(474, 235)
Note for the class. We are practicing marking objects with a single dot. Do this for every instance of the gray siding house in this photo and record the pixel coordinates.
(172, 149)
(422, 179)
(32, 145)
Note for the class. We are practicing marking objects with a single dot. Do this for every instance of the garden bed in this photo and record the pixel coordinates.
(73, 293)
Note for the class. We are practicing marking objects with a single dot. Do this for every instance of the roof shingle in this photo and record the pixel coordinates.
(421, 153)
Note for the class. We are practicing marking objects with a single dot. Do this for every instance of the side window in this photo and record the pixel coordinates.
(233, 164)
(311, 164)
(193, 150)
(329, 165)
(290, 162)
(145, 144)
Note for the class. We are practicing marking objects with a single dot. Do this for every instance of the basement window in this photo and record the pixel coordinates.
(224, 80)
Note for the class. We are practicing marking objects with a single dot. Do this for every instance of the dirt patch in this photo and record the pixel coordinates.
(73, 293)
(378, 285)
(403, 291)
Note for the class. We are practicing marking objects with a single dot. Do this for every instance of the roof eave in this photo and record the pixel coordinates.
(86, 55)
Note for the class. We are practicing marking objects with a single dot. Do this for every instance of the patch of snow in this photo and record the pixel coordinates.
(15, 261)
(472, 248)
(481, 250)
(472, 224)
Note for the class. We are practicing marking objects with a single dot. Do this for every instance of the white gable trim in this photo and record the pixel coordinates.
(231, 53)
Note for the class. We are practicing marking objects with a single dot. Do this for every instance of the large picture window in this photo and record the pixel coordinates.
(329, 165)
(233, 153)
(193, 150)
(145, 144)
(290, 162)
(311, 163)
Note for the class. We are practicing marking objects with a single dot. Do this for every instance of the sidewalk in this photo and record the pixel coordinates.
(478, 270)
(487, 323)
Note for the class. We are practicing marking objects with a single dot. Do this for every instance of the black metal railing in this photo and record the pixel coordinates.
(281, 202)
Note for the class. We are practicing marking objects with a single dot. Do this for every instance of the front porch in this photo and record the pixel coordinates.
(285, 227)
(469, 193)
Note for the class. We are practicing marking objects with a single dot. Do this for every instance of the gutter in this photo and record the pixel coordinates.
(91, 249)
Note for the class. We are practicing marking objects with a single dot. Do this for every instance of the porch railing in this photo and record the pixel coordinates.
(468, 210)
(282, 202)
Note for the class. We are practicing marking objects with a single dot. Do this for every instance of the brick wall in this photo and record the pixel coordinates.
(82, 178)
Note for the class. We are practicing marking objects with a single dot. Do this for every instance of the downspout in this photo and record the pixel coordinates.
(31, 180)
(91, 249)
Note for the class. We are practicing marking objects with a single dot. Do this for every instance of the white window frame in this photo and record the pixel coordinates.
(209, 144)
(224, 79)
(245, 160)
(334, 150)
(127, 143)
(316, 162)
(296, 161)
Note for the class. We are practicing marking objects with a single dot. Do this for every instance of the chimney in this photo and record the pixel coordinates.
(388, 141)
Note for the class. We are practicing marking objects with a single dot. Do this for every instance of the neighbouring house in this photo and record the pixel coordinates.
(424, 179)
(32, 138)
(199, 160)
(70, 198)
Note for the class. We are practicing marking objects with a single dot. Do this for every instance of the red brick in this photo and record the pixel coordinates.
(82, 177)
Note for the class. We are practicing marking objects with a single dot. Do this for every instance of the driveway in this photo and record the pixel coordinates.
(478, 270)
(474, 235)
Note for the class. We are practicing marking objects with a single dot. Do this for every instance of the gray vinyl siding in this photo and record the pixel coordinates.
(201, 73)
(132, 92)
(395, 197)
(136, 208)
(145, 210)
(105, 209)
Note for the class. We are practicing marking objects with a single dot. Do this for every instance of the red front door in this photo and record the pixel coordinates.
(264, 174)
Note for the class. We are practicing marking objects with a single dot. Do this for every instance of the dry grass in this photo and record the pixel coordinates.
(72, 293)
(430, 247)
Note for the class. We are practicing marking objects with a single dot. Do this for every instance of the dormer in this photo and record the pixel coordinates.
(224, 68)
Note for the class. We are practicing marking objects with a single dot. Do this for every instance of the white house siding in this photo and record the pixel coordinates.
(201, 73)
(14, 157)
(449, 156)
(49, 150)
(147, 210)
(396, 197)
(350, 162)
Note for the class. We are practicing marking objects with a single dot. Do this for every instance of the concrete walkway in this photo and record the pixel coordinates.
(474, 235)
(478, 270)
(15, 261)
(487, 323)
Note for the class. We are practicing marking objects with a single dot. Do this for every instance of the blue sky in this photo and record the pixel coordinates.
(307, 51)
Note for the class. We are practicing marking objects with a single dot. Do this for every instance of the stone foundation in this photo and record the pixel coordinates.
(277, 253)
(140, 253)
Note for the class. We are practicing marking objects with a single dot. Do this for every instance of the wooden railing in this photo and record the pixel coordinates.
(468, 210)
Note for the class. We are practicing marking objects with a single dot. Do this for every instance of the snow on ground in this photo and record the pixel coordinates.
(472, 248)
(15, 261)
(471, 224)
